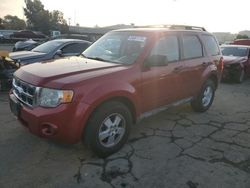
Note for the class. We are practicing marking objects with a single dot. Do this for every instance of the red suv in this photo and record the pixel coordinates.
(124, 76)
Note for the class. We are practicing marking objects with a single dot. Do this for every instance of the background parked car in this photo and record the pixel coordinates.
(7, 68)
(236, 62)
(28, 35)
(26, 45)
(50, 50)
(242, 42)
(45, 51)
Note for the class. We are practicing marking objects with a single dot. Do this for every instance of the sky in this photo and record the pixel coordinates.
(215, 15)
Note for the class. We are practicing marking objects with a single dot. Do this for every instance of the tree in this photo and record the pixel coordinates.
(13, 22)
(37, 16)
(239, 36)
(40, 19)
(1, 24)
(57, 22)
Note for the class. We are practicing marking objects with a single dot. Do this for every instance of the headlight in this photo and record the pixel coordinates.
(52, 97)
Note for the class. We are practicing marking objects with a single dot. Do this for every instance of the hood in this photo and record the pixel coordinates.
(228, 60)
(24, 55)
(67, 70)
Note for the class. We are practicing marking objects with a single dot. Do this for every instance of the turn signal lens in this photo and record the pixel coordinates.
(67, 96)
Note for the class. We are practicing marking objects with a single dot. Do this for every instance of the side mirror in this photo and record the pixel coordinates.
(156, 60)
(59, 53)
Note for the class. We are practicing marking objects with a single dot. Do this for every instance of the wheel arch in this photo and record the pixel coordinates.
(122, 99)
(214, 78)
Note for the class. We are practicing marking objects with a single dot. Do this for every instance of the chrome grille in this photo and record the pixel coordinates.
(24, 92)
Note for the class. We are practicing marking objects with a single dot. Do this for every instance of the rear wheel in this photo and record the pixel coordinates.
(108, 128)
(205, 99)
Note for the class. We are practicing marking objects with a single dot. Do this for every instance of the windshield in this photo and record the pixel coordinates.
(117, 47)
(234, 51)
(47, 47)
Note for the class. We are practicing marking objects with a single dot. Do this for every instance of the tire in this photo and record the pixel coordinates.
(205, 99)
(240, 76)
(108, 128)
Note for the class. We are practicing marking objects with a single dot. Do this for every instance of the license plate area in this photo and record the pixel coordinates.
(15, 105)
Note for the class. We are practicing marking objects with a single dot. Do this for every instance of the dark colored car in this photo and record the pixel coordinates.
(124, 76)
(25, 45)
(50, 50)
(28, 35)
(7, 68)
(236, 62)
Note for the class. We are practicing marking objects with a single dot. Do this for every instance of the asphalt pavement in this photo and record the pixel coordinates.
(177, 148)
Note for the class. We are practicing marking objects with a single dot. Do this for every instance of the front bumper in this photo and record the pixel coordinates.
(64, 123)
(230, 71)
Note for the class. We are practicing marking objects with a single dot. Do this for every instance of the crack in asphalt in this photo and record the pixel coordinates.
(108, 175)
(244, 165)
(180, 120)
(191, 184)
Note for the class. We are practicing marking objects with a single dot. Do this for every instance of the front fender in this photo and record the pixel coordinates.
(105, 91)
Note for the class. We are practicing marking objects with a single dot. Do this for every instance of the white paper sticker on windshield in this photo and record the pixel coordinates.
(137, 38)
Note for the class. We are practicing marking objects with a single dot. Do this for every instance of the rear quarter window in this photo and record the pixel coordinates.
(211, 45)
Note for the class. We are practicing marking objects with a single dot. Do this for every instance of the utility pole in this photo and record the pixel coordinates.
(69, 24)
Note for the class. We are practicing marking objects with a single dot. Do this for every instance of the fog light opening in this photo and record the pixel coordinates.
(49, 129)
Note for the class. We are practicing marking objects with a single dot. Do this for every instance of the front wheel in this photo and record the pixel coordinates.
(108, 128)
(205, 99)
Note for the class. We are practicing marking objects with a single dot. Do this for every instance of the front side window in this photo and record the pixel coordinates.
(117, 47)
(192, 47)
(167, 46)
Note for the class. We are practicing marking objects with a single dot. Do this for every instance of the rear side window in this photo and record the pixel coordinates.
(192, 47)
(211, 45)
(167, 46)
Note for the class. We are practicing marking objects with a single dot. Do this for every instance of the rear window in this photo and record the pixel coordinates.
(48, 47)
(192, 47)
(211, 45)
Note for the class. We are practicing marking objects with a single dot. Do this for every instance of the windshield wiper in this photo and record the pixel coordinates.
(101, 59)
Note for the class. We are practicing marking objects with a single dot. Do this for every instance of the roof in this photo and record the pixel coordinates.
(235, 45)
(70, 40)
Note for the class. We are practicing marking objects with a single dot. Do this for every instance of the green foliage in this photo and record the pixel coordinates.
(39, 19)
(1, 23)
(239, 36)
(12, 22)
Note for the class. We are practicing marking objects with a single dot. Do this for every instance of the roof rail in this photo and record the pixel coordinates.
(184, 27)
(187, 27)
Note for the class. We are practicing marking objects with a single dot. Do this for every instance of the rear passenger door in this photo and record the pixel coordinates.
(194, 64)
(160, 83)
